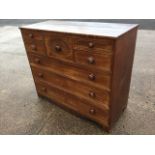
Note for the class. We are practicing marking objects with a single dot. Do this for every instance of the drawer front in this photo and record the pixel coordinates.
(93, 44)
(36, 47)
(58, 46)
(31, 35)
(34, 41)
(72, 102)
(96, 95)
(102, 61)
(91, 77)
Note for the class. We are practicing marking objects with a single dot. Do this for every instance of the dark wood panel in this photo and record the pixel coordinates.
(122, 69)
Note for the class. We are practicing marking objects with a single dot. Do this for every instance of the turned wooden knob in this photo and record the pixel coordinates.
(30, 35)
(91, 45)
(58, 48)
(44, 89)
(37, 60)
(33, 47)
(40, 75)
(92, 111)
(91, 60)
(91, 76)
(92, 94)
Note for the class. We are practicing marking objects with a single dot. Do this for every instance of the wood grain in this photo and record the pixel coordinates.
(122, 69)
(73, 102)
(102, 80)
(83, 67)
(99, 60)
(101, 97)
(98, 45)
(59, 46)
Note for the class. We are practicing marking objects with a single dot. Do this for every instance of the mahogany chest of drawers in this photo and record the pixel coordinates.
(84, 67)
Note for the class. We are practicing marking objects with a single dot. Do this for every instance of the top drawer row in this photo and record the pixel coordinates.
(75, 42)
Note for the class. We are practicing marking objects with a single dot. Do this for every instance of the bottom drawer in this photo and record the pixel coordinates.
(73, 103)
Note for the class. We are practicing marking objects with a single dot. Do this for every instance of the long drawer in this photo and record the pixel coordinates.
(96, 95)
(89, 76)
(74, 103)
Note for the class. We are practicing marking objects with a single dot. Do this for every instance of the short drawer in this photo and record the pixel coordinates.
(58, 46)
(103, 61)
(89, 76)
(93, 44)
(73, 103)
(30, 35)
(37, 47)
(96, 95)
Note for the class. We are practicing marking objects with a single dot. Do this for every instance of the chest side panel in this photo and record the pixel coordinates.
(121, 77)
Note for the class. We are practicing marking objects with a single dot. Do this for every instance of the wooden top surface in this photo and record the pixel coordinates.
(111, 30)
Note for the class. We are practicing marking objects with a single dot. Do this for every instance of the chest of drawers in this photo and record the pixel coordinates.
(84, 67)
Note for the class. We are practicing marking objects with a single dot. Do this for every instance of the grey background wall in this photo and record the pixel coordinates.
(144, 23)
